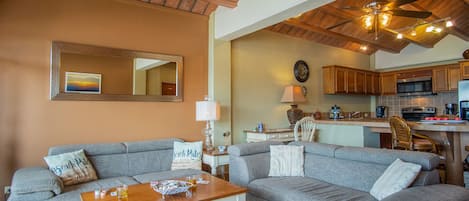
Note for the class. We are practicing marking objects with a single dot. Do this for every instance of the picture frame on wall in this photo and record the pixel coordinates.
(83, 83)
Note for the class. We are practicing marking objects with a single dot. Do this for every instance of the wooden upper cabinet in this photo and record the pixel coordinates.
(439, 79)
(464, 67)
(340, 80)
(388, 82)
(345, 80)
(360, 82)
(454, 75)
(376, 89)
(446, 78)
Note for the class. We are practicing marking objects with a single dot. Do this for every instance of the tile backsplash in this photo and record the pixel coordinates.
(396, 103)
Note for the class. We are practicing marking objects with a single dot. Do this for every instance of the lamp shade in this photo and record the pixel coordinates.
(293, 94)
(207, 111)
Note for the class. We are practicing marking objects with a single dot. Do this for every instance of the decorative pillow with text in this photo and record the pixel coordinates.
(187, 155)
(72, 167)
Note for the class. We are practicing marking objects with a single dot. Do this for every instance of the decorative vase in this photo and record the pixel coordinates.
(465, 54)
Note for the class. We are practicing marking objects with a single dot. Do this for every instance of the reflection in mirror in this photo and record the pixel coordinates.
(82, 72)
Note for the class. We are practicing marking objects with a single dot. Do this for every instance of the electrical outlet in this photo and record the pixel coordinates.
(7, 190)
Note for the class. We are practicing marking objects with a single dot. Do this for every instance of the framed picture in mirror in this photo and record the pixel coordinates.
(86, 72)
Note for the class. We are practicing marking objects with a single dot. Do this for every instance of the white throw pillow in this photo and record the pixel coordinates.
(72, 167)
(187, 155)
(399, 175)
(286, 160)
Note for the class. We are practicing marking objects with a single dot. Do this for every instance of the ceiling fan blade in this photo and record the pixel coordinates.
(339, 24)
(410, 13)
(397, 3)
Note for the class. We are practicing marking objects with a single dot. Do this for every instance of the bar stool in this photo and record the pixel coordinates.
(404, 138)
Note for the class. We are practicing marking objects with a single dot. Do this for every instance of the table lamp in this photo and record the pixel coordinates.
(293, 94)
(207, 110)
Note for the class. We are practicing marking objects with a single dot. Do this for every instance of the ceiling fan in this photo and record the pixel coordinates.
(380, 12)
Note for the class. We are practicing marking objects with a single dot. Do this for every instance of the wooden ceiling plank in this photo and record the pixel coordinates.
(172, 3)
(210, 8)
(347, 15)
(225, 3)
(297, 23)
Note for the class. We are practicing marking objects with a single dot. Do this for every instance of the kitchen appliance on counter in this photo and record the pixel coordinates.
(417, 113)
(335, 112)
(416, 86)
(381, 112)
(463, 99)
(451, 108)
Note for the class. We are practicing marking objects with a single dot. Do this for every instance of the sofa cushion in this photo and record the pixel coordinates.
(41, 195)
(72, 168)
(428, 161)
(352, 174)
(72, 193)
(431, 193)
(251, 148)
(155, 176)
(318, 148)
(90, 149)
(29, 180)
(286, 160)
(302, 189)
(149, 161)
(398, 175)
(153, 145)
(109, 166)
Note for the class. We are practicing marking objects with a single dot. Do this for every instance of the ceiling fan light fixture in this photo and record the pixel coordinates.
(368, 21)
(413, 33)
(429, 29)
(399, 36)
(438, 29)
(449, 23)
(363, 47)
(385, 19)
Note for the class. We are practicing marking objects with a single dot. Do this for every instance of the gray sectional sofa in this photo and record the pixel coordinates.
(115, 164)
(335, 172)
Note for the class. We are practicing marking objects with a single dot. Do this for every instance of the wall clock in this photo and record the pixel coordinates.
(301, 71)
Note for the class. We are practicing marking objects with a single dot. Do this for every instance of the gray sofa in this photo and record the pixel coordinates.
(115, 164)
(335, 172)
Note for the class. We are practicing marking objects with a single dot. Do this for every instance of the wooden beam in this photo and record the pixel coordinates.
(225, 3)
(345, 14)
(299, 24)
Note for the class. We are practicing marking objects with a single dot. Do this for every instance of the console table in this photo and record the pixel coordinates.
(280, 134)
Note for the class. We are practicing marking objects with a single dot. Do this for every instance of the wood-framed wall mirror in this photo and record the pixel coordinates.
(92, 73)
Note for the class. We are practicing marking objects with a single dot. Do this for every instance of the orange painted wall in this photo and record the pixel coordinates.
(30, 122)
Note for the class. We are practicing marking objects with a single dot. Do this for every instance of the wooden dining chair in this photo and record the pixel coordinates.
(404, 138)
(304, 129)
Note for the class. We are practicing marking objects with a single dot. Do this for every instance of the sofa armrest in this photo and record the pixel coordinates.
(36, 179)
(435, 192)
(249, 161)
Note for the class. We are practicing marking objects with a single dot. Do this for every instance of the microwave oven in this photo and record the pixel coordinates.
(416, 86)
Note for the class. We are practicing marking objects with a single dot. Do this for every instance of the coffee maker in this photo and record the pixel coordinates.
(451, 108)
(381, 111)
(464, 110)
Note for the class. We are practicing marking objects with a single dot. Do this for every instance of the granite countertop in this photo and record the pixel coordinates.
(384, 123)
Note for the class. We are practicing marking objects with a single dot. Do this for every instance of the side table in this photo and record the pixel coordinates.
(215, 158)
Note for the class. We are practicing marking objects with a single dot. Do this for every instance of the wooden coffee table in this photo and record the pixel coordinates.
(217, 189)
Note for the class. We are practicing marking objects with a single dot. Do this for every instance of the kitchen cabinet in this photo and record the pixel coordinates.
(445, 78)
(464, 68)
(372, 83)
(388, 83)
(345, 80)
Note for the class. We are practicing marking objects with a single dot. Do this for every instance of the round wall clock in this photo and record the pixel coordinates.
(301, 71)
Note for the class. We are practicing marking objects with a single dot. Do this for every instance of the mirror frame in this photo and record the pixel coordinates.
(59, 47)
